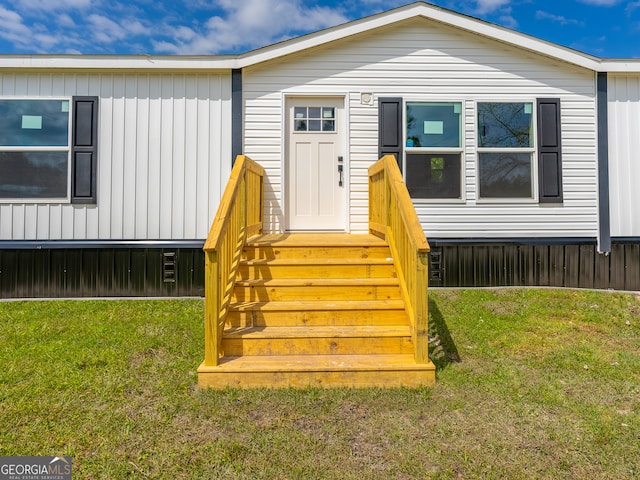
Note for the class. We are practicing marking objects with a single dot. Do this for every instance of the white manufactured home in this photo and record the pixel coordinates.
(520, 155)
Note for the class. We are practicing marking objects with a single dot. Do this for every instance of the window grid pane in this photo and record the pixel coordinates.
(434, 175)
(505, 125)
(314, 119)
(433, 125)
(505, 175)
(35, 174)
(34, 123)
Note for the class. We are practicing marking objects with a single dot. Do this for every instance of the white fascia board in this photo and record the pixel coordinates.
(431, 12)
(117, 62)
(620, 65)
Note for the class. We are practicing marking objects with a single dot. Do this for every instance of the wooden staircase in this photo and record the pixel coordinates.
(316, 310)
(332, 310)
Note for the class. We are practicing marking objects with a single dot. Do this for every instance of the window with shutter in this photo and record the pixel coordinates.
(510, 151)
(41, 142)
(505, 150)
(434, 148)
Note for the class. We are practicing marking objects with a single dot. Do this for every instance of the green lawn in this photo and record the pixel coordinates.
(530, 384)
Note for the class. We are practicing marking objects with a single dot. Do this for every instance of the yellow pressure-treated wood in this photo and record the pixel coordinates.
(239, 212)
(383, 371)
(392, 216)
(322, 309)
(256, 315)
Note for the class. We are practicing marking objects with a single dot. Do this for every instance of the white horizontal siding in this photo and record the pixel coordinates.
(425, 60)
(624, 154)
(163, 160)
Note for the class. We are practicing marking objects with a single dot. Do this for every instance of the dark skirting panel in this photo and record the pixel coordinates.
(138, 270)
(70, 271)
(573, 263)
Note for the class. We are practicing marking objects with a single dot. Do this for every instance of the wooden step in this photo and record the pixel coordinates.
(313, 268)
(360, 371)
(313, 313)
(264, 290)
(256, 252)
(316, 239)
(323, 340)
(316, 310)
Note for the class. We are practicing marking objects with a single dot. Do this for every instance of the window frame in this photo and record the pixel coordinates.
(532, 151)
(460, 150)
(45, 148)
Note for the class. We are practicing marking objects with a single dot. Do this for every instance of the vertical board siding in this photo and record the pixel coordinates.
(544, 265)
(99, 272)
(424, 60)
(624, 159)
(164, 157)
(138, 271)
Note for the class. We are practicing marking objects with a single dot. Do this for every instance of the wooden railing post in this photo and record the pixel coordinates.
(212, 300)
(421, 299)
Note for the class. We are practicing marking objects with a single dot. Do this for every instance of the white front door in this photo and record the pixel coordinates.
(316, 164)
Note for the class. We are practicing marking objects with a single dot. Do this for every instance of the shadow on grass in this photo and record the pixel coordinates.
(442, 348)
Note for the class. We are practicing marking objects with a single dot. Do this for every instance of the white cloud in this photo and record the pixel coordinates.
(12, 27)
(562, 20)
(9, 18)
(249, 24)
(488, 6)
(65, 20)
(386, 4)
(34, 37)
(632, 6)
(49, 5)
(106, 31)
(601, 3)
(135, 27)
(508, 21)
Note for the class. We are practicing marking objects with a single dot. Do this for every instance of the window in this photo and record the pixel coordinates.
(34, 149)
(505, 150)
(314, 119)
(49, 150)
(433, 168)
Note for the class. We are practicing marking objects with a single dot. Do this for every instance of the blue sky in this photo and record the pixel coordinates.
(605, 28)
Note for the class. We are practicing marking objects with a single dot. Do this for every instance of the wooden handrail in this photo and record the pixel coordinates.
(392, 216)
(239, 216)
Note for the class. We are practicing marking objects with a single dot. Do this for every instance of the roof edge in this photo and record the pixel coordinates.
(428, 11)
(119, 62)
(298, 44)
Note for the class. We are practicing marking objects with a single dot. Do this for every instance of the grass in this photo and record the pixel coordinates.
(531, 384)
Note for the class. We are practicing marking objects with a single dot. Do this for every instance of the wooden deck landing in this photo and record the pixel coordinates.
(317, 309)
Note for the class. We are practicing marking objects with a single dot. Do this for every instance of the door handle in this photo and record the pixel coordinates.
(340, 168)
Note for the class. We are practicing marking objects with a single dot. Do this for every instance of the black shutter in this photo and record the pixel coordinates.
(390, 139)
(549, 150)
(84, 150)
